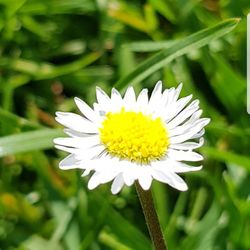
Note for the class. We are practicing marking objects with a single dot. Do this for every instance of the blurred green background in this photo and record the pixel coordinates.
(54, 50)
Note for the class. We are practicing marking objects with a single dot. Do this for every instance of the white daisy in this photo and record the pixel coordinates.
(125, 139)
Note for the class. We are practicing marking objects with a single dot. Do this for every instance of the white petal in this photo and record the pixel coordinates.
(183, 168)
(187, 145)
(179, 155)
(108, 176)
(74, 133)
(181, 138)
(117, 184)
(89, 153)
(94, 181)
(86, 110)
(195, 116)
(189, 128)
(101, 110)
(78, 142)
(106, 163)
(116, 99)
(86, 172)
(183, 115)
(142, 100)
(165, 97)
(172, 110)
(76, 122)
(198, 135)
(171, 179)
(129, 98)
(191, 132)
(69, 162)
(156, 94)
(128, 178)
(177, 92)
(199, 124)
(179, 130)
(91, 164)
(66, 149)
(174, 166)
(102, 175)
(83, 154)
(170, 97)
(145, 180)
(103, 99)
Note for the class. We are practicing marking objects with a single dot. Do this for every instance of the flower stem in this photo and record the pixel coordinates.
(151, 217)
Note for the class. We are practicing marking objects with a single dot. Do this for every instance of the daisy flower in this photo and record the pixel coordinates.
(128, 139)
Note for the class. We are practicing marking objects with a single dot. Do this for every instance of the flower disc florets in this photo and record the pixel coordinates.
(134, 136)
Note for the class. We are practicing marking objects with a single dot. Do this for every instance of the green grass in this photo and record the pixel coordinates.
(54, 50)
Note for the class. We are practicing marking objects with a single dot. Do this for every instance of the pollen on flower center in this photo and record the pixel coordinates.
(134, 136)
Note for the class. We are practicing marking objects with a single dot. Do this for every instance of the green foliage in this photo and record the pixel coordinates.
(53, 50)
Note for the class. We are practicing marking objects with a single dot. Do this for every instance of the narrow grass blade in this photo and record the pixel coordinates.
(184, 46)
(227, 156)
(42, 71)
(28, 141)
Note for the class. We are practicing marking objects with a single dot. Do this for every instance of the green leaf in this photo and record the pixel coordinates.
(228, 85)
(203, 234)
(28, 141)
(41, 71)
(58, 7)
(111, 241)
(161, 203)
(227, 156)
(36, 242)
(184, 46)
(129, 16)
(126, 233)
(63, 213)
(11, 123)
(126, 61)
(165, 9)
(149, 46)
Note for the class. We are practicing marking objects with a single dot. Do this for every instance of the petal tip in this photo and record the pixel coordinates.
(158, 83)
(114, 192)
(208, 120)
(183, 189)
(76, 99)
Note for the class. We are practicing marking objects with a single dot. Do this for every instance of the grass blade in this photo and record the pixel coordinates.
(227, 156)
(28, 141)
(187, 44)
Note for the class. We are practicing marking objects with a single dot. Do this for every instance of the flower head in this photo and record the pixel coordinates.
(125, 139)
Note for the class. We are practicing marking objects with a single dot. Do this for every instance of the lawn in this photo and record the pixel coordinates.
(54, 50)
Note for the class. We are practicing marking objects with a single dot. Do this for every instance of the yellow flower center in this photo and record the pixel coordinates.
(134, 136)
